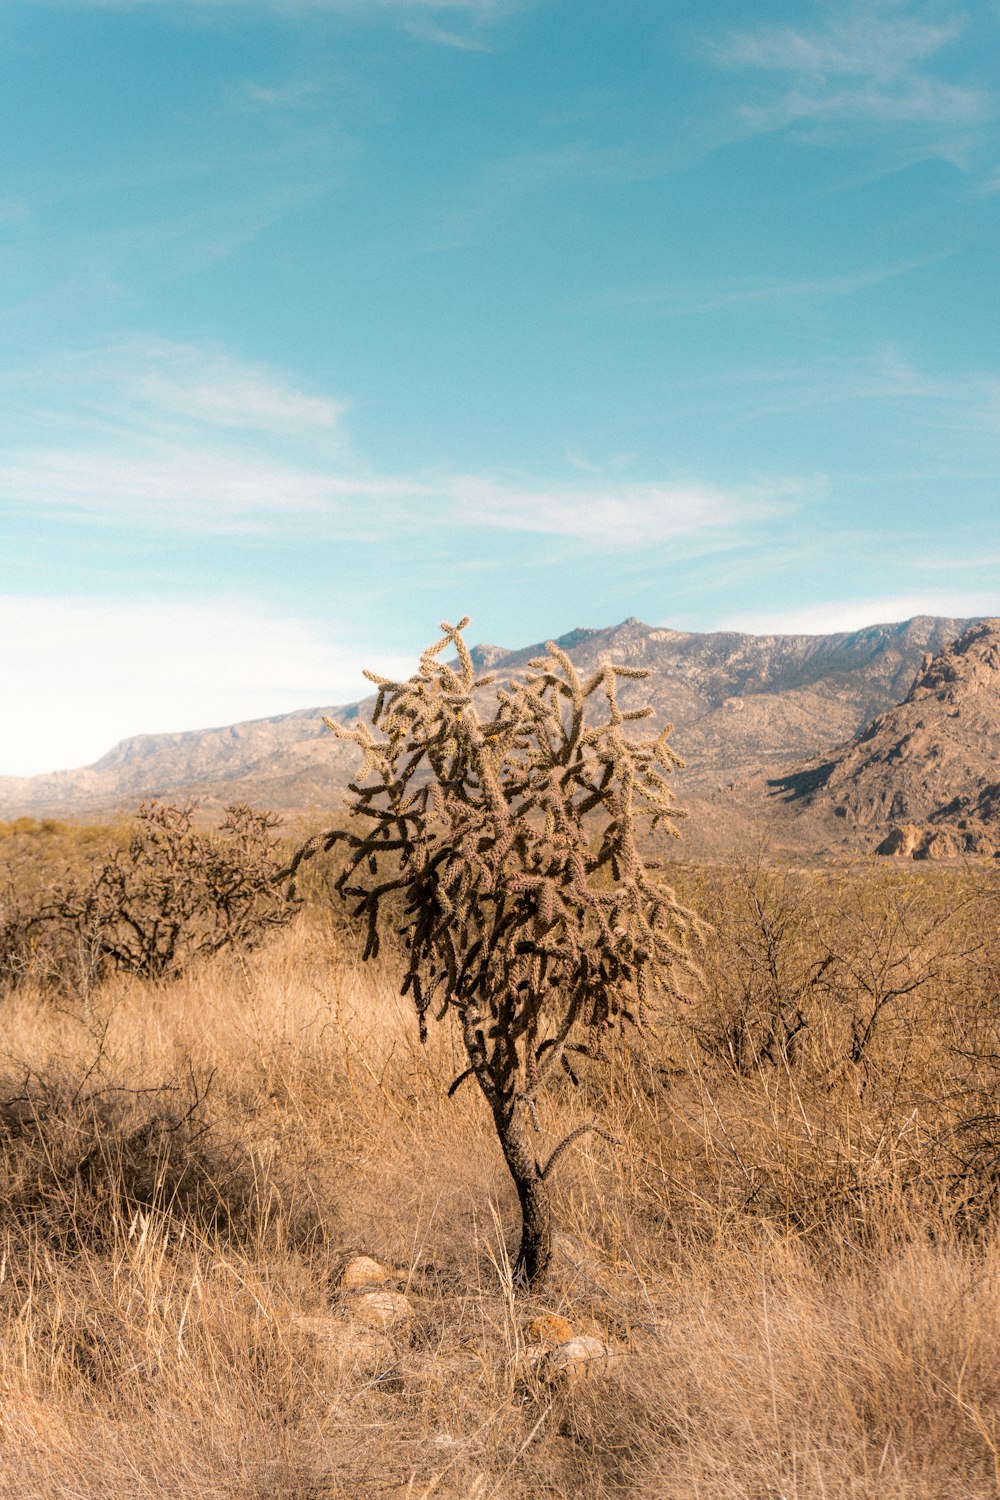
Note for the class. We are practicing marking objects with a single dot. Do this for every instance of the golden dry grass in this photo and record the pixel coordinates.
(800, 1287)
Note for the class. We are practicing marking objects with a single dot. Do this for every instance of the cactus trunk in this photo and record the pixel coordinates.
(535, 1251)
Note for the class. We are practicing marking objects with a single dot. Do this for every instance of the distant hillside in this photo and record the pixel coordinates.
(742, 705)
(923, 779)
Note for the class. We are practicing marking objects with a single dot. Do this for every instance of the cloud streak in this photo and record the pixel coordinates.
(619, 516)
(684, 301)
(428, 31)
(474, 10)
(876, 61)
(152, 435)
(967, 402)
(509, 180)
(861, 40)
(183, 383)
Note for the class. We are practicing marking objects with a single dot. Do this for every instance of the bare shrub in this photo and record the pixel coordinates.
(173, 894)
(794, 1303)
(885, 940)
(80, 1157)
(23, 919)
(762, 969)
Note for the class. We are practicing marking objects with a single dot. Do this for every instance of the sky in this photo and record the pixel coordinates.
(322, 321)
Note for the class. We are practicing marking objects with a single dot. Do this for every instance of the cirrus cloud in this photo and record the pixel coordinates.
(873, 61)
(155, 435)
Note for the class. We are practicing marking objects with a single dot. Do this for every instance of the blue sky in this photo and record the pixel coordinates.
(322, 320)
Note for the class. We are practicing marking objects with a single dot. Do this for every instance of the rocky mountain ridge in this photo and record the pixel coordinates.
(923, 779)
(743, 706)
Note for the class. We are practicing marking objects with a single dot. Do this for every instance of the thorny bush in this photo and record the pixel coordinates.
(173, 894)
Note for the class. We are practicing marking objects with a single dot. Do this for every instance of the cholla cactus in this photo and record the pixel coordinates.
(507, 839)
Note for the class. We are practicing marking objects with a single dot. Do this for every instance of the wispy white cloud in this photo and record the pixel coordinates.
(290, 94)
(202, 490)
(107, 263)
(153, 434)
(871, 40)
(877, 61)
(619, 516)
(960, 401)
(161, 434)
(87, 672)
(918, 101)
(685, 300)
(166, 486)
(428, 31)
(480, 10)
(148, 385)
(509, 179)
(188, 382)
(581, 161)
(854, 614)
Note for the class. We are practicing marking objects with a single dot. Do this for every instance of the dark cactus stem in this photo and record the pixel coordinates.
(535, 1251)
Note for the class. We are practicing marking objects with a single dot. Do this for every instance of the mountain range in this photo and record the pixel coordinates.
(750, 713)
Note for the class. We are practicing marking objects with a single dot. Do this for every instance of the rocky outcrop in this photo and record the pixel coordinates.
(922, 779)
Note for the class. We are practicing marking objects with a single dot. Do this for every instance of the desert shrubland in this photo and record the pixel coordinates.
(789, 1259)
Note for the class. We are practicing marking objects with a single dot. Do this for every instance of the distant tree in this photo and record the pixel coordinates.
(498, 834)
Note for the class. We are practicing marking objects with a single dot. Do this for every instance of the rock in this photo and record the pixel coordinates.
(579, 1359)
(944, 843)
(383, 1309)
(901, 841)
(342, 1345)
(590, 1327)
(363, 1271)
(322, 1327)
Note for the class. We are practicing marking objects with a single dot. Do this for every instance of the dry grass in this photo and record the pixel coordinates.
(793, 1262)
